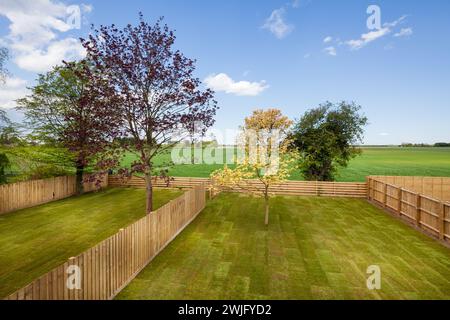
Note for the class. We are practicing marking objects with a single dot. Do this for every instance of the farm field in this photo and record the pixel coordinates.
(314, 248)
(434, 162)
(35, 240)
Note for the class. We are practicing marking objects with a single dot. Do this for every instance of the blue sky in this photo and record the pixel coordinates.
(291, 55)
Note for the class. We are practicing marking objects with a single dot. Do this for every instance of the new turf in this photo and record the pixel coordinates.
(373, 161)
(36, 240)
(314, 248)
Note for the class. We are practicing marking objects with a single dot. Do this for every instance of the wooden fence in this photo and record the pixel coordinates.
(107, 268)
(427, 213)
(27, 194)
(294, 188)
(139, 182)
(436, 188)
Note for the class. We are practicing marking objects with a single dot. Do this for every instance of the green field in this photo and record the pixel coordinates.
(34, 241)
(314, 248)
(373, 161)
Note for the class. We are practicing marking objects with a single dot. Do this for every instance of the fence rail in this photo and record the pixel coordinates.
(108, 267)
(294, 188)
(427, 213)
(20, 195)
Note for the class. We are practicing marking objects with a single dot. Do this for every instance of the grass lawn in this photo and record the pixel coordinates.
(314, 248)
(373, 161)
(34, 241)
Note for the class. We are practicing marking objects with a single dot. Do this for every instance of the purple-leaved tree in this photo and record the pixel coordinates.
(158, 97)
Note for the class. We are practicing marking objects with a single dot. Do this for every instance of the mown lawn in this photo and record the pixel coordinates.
(373, 161)
(36, 240)
(314, 248)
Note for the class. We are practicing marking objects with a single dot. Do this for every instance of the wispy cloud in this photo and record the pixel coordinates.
(223, 83)
(331, 51)
(371, 36)
(300, 3)
(367, 38)
(328, 39)
(404, 32)
(277, 25)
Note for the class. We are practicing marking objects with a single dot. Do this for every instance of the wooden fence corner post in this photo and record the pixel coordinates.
(418, 209)
(441, 222)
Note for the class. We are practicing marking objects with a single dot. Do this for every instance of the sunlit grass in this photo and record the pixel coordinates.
(314, 248)
(36, 240)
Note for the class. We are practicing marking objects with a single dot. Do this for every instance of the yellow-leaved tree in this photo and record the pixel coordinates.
(263, 158)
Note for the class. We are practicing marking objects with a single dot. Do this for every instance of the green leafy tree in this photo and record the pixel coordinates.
(326, 137)
(66, 110)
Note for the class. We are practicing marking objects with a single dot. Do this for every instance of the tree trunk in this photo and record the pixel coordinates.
(192, 152)
(266, 201)
(266, 220)
(149, 192)
(79, 179)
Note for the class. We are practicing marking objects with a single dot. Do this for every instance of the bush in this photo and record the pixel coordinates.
(4, 164)
(45, 172)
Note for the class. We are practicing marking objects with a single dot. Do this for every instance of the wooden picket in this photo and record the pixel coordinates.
(107, 268)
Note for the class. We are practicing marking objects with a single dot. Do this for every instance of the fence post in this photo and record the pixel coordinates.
(400, 195)
(368, 187)
(441, 221)
(418, 209)
(385, 195)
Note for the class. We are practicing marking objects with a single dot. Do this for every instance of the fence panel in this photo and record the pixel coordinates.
(295, 188)
(102, 271)
(435, 187)
(20, 195)
(426, 212)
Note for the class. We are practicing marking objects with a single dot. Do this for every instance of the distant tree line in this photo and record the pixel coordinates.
(425, 145)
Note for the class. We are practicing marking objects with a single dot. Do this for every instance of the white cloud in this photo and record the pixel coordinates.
(384, 134)
(11, 90)
(34, 29)
(222, 82)
(276, 24)
(327, 39)
(366, 38)
(43, 60)
(404, 32)
(369, 37)
(331, 51)
(396, 22)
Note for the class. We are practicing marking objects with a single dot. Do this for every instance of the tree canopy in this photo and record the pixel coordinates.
(158, 96)
(66, 109)
(263, 157)
(326, 137)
